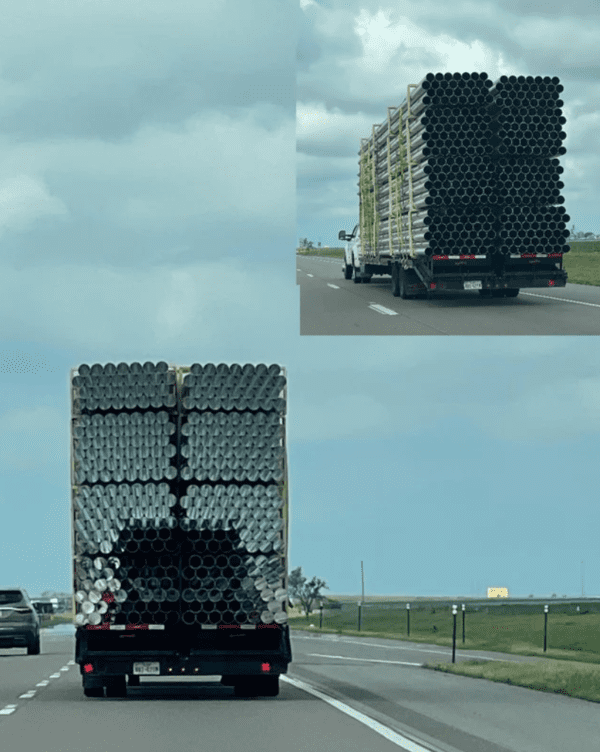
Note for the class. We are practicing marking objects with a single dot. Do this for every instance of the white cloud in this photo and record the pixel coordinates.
(23, 200)
(100, 308)
(213, 166)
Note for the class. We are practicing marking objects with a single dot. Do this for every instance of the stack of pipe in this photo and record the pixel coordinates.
(484, 177)
(169, 552)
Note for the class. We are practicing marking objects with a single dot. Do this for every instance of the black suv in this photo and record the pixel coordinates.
(19, 622)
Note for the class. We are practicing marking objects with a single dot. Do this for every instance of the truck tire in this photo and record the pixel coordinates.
(347, 271)
(93, 691)
(357, 277)
(92, 688)
(34, 647)
(116, 686)
(257, 686)
(270, 686)
(402, 283)
(245, 688)
(395, 281)
(512, 293)
(133, 680)
(366, 280)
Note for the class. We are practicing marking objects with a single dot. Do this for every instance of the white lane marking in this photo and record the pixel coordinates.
(64, 668)
(55, 676)
(71, 663)
(381, 309)
(370, 660)
(401, 741)
(564, 300)
(8, 709)
(335, 287)
(402, 647)
(43, 683)
(28, 695)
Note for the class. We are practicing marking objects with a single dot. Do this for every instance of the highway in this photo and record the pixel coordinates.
(332, 305)
(341, 694)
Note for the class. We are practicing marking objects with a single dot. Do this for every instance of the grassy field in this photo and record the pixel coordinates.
(571, 664)
(50, 620)
(582, 262)
(325, 252)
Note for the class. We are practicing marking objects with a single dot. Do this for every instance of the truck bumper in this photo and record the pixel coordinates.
(509, 281)
(177, 665)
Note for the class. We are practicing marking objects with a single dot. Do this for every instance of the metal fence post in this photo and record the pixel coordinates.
(408, 619)
(545, 625)
(454, 633)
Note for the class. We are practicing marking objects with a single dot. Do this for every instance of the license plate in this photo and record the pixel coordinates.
(146, 667)
(476, 285)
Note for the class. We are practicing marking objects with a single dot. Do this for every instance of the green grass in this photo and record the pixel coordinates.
(51, 620)
(570, 666)
(328, 252)
(582, 262)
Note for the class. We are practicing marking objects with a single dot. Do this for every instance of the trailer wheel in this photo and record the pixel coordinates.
(92, 688)
(348, 271)
(270, 686)
(404, 294)
(395, 281)
(512, 293)
(257, 686)
(116, 686)
(366, 280)
(245, 688)
(134, 680)
(93, 691)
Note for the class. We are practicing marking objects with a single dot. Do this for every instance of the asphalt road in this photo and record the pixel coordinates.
(332, 305)
(341, 694)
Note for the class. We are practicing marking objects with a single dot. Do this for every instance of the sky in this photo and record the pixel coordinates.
(447, 465)
(357, 57)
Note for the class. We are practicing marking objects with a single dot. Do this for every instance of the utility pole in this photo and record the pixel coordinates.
(362, 575)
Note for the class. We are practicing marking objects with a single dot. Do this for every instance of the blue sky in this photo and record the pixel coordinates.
(446, 468)
(357, 57)
(164, 230)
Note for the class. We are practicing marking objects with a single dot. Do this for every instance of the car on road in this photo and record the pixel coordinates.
(19, 621)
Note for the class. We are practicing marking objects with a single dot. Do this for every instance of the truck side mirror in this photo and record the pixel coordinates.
(342, 235)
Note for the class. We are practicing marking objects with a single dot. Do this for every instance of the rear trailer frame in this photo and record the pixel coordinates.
(180, 651)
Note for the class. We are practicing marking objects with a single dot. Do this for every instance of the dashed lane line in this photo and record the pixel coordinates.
(382, 309)
(9, 709)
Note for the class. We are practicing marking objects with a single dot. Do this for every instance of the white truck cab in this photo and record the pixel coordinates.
(351, 251)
